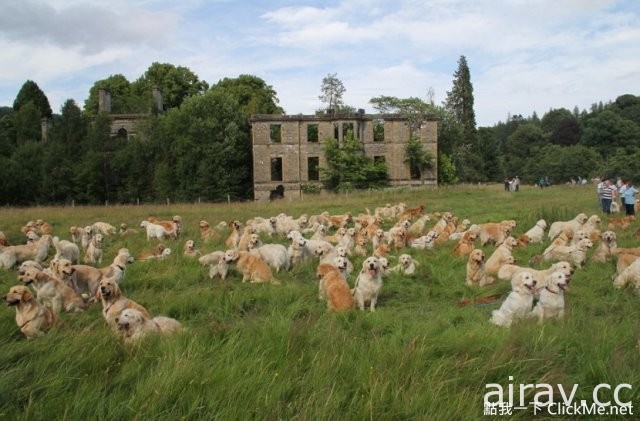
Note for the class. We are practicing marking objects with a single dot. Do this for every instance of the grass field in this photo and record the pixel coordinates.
(273, 352)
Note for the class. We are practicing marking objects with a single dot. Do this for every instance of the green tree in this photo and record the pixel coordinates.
(628, 107)
(26, 123)
(124, 99)
(418, 158)
(490, 154)
(560, 164)
(348, 168)
(253, 94)
(31, 92)
(331, 92)
(606, 131)
(415, 110)
(521, 145)
(561, 126)
(175, 83)
(460, 101)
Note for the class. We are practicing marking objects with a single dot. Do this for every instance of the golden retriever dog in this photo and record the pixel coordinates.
(630, 275)
(66, 249)
(368, 284)
(320, 232)
(125, 230)
(508, 271)
(76, 233)
(360, 248)
(170, 227)
(576, 254)
(500, 256)
(298, 251)
(536, 233)
(94, 253)
(340, 220)
(334, 288)
(337, 236)
(620, 223)
(563, 239)
(52, 292)
(604, 251)
(113, 302)
(518, 303)
(10, 256)
(551, 302)
(149, 255)
(494, 232)
(245, 238)
(104, 228)
(116, 270)
(624, 261)
(154, 230)
(382, 250)
(253, 268)
(234, 238)
(33, 319)
(190, 249)
(572, 225)
(406, 265)
(275, 255)
(418, 227)
(80, 277)
(412, 212)
(442, 222)
(133, 325)
(217, 265)
(476, 274)
(425, 242)
(398, 237)
(206, 232)
(466, 244)
(32, 237)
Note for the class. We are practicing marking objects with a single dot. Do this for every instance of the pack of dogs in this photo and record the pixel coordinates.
(257, 250)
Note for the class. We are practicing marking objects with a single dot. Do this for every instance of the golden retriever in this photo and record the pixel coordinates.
(494, 232)
(52, 292)
(94, 253)
(572, 225)
(508, 271)
(39, 251)
(170, 227)
(113, 302)
(406, 265)
(475, 269)
(334, 288)
(518, 303)
(368, 284)
(125, 230)
(630, 275)
(536, 233)
(253, 268)
(576, 254)
(551, 302)
(190, 249)
(466, 244)
(620, 223)
(66, 249)
(217, 265)
(604, 251)
(33, 319)
(624, 261)
(500, 256)
(234, 238)
(206, 232)
(133, 325)
(104, 228)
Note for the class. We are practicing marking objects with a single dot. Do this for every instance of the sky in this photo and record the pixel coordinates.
(523, 55)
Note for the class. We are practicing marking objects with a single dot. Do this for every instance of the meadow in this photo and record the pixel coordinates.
(252, 351)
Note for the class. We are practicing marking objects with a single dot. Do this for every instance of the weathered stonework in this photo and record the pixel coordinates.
(294, 148)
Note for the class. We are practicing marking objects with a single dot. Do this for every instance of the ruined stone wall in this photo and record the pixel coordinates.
(295, 148)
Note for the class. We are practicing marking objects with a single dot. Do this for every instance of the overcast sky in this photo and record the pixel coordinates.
(523, 56)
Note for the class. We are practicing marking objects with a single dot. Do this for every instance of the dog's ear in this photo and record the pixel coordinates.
(26, 295)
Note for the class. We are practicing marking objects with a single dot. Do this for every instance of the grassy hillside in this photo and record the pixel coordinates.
(273, 352)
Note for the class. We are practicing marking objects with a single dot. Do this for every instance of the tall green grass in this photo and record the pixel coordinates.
(273, 352)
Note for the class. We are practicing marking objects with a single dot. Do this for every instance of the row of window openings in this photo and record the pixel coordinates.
(313, 167)
(275, 131)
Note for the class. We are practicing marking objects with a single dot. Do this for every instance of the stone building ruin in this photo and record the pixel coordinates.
(288, 150)
(124, 125)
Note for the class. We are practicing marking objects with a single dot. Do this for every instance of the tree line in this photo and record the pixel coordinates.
(199, 147)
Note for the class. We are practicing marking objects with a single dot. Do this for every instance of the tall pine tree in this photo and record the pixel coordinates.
(459, 102)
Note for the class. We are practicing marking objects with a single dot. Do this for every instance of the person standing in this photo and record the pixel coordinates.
(628, 196)
(608, 194)
(516, 182)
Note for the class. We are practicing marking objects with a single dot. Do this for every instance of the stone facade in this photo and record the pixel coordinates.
(124, 125)
(285, 145)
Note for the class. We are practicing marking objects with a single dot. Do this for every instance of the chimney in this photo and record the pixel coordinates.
(157, 99)
(45, 125)
(104, 100)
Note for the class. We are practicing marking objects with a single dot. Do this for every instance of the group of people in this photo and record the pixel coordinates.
(609, 193)
(512, 185)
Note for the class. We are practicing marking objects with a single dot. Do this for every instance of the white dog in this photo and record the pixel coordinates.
(67, 250)
(154, 230)
(551, 303)
(519, 302)
(94, 250)
(275, 255)
(536, 234)
(217, 264)
(368, 284)
(406, 265)
(576, 254)
(133, 324)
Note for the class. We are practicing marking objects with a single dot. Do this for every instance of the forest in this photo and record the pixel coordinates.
(198, 148)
